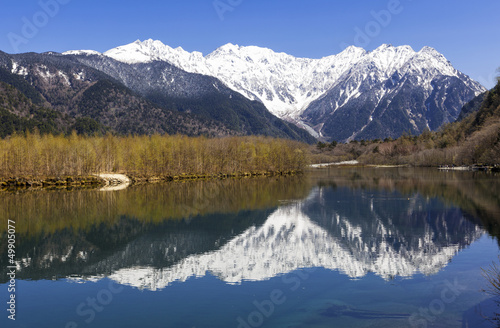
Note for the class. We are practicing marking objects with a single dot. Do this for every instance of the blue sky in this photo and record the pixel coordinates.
(466, 32)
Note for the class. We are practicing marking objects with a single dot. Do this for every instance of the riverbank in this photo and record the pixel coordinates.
(344, 163)
(355, 163)
(52, 182)
(116, 181)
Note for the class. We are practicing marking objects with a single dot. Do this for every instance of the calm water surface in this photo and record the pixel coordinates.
(335, 248)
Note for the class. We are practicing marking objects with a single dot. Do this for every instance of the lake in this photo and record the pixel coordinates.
(339, 247)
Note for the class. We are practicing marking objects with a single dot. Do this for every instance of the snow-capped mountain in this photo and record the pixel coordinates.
(391, 91)
(285, 84)
(344, 96)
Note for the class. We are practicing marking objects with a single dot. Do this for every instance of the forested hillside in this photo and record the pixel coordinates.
(56, 95)
(473, 140)
(18, 114)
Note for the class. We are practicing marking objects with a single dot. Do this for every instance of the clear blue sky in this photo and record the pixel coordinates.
(466, 32)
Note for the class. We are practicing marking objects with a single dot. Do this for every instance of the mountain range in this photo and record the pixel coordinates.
(73, 95)
(355, 94)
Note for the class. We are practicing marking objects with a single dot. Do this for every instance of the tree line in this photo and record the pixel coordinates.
(34, 155)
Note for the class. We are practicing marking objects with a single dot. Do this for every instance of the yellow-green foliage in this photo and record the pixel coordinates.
(34, 155)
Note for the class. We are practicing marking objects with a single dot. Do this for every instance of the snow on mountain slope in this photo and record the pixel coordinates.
(150, 50)
(309, 91)
(81, 52)
(391, 91)
(286, 84)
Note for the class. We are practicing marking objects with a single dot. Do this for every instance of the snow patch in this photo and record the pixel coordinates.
(19, 70)
(81, 52)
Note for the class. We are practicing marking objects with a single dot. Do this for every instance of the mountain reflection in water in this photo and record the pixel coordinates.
(354, 221)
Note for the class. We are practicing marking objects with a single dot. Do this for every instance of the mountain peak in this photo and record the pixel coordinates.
(430, 51)
(385, 45)
(230, 46)
(131, 53)
(389, 47)
(350, 51)
(227, 48)
(151, 50)
(352, 48)
(149, 42)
